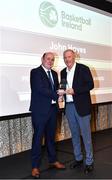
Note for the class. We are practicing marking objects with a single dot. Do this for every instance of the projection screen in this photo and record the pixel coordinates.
(28, 28)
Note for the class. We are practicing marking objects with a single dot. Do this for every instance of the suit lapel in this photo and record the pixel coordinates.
(44, 74)
(64, 74)
(76, 74)
(46, 77)
(54, 79)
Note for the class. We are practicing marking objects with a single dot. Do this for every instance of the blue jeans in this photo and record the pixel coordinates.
(80, 126)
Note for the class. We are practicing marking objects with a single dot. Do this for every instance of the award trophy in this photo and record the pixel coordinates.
(62, 88)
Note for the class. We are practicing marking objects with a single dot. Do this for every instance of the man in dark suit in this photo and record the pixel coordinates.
(44, 85)
(78, 107)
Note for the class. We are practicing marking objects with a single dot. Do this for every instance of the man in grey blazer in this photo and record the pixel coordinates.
(78, 107)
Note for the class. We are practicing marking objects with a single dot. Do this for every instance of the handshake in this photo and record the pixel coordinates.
(63, 90)
(61, 93)
(68, 91)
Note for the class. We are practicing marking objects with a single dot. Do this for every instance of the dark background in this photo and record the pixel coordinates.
(105, 5)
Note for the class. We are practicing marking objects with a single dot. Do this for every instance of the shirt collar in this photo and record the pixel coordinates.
(45, 69)
(72, 69)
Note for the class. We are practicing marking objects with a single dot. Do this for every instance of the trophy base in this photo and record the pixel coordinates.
(61, 105)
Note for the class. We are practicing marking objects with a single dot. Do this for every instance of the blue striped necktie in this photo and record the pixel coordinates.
(50, 79)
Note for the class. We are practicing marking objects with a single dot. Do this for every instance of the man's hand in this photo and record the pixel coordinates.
(61, 92)
(70, 91)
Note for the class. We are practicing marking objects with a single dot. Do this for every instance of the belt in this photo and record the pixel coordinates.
(69, 102)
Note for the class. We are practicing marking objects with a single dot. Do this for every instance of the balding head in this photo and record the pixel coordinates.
(48, 60)
(69, 58)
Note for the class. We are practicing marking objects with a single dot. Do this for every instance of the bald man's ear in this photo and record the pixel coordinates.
(42, 58)
(43, 55)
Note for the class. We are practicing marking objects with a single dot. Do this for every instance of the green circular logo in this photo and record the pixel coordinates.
(48, 14)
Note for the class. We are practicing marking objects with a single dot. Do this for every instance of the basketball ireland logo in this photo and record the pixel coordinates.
(48, 14)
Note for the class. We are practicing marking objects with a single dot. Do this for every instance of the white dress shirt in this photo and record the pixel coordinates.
(46, 70)
(70, 76)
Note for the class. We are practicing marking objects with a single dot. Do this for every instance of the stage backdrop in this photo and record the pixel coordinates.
(28, 28)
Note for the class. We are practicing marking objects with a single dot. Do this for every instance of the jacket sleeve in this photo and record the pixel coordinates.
(39, 86)
(86, 82)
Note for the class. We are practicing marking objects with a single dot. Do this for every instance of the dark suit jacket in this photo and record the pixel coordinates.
(41, 90)
(82, 84)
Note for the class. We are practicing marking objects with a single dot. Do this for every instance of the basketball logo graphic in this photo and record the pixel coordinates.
(48, 14)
